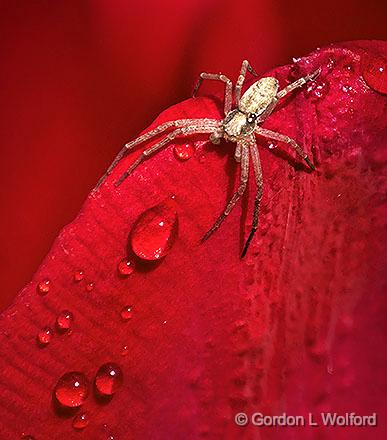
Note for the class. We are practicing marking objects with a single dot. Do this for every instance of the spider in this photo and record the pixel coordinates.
(239, 126)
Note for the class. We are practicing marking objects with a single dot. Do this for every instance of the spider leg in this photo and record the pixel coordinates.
(238, 193)
(217, 77)
(299, 83)
(238, 152)
(143, 138)
(204, 127)
(258, 197)
(283, 138)
(241, 79)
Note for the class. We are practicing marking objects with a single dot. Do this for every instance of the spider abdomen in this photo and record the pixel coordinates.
(259, 96)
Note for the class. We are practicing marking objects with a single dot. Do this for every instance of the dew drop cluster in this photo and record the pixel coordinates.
(73, 389)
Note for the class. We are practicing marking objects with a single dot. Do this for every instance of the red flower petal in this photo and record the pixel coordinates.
(298, 326)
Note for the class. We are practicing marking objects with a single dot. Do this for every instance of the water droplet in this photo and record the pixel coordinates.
(126, 313)
(72, 389)
(109, 379)
(346, 88)
(293, 73)
(79, 275)
(44, 286)
(27, 437)
(202, 158)
(89, 287)
(80, 421)
(44, 336)
(64, 320)
(125, 350)
(155, 231)
(184, 151)
(201, 144)
(125, 267)
(374, 72)
(317, 90)
(272, 145)
(330, 64)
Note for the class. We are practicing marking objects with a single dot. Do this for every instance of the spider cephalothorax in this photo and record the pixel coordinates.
(239, 125)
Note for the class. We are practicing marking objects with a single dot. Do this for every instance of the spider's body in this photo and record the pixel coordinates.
(256, 101)
(239, 126)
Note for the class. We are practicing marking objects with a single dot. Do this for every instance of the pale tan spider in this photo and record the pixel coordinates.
(239, 126)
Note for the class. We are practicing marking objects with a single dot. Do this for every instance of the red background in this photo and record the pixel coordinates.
(79, 78)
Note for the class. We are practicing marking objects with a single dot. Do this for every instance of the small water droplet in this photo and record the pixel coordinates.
(346, 88)
(202, 158)
(317, 90)
(72, 389)
(108, 379)
(272, 145)
(64, 320)
(125, 350)
(125, 267)
(44, 336)
(126, 313)
(44, 287)
(89, 287)
(80, 421)
(374, 72)
(330, 64)
(293, 73)
(79, 275)
(155, 231)
(184, 151)
(27, 437)
(201, 144)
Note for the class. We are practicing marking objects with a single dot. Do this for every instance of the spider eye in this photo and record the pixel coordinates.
(251, 117)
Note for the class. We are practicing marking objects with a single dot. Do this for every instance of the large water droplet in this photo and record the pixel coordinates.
(183, 152)
(80, 421)
(126, 313)
(44, 336)
(44, 287)
(155, 231)
(64, 320)
(79, 275)
(374, 71)
(125, 267)
(72, 389)
(109, 379)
